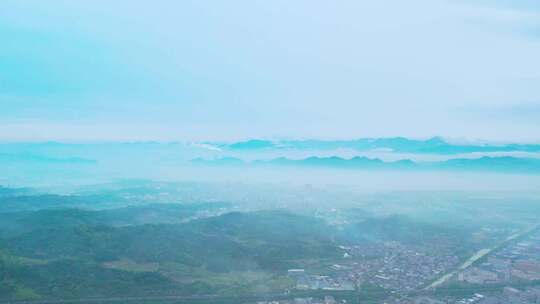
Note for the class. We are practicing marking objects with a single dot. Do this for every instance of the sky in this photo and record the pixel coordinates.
(229, 70)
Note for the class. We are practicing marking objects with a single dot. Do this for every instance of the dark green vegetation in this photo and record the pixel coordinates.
(157, 249)
(16, 223)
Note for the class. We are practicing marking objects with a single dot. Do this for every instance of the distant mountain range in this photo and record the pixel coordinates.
(435, 145)
(491, 164)
(36, 158)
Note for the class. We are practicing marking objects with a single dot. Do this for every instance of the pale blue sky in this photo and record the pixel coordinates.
(199, 70)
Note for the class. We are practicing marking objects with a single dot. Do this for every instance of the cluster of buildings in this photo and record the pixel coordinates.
(509, 295)
(393, 266)
(325, 300)
(516, 266)
(403, 271)
(517, 262)
(336, 281)
(389, 265)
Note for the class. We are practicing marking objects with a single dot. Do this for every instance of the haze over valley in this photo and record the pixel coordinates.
(270, 152)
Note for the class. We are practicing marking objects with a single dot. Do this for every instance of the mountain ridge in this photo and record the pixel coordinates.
(434, 145)
(485, 163)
